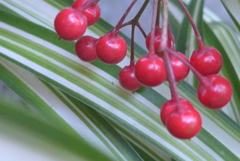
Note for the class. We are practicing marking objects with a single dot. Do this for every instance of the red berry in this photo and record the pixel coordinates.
(207, 61)
(180, 70)
(171, 105)
(128, 80)
(214, 92)
(92, 12)
(150, 70)
(70, 24)
(85, 48)
(111, 48)
(184, 123)
(157, 40)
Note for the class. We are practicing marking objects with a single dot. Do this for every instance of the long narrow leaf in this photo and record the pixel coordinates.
(35, 48)
(233, 7)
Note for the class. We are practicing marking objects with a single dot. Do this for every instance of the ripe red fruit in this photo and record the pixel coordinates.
(157, 40)
(180, 70)
(170, 106)
(184, 123)
(214, 92)
(150, 70)
(111, 48)
(207, 61)
(70, 24)
(92, 12)
(127, 79)
(85, 48)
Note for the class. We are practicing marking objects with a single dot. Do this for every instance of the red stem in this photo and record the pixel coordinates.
(153, 26)
(197, 73)
(132, 46)
(141, 29)
(118, 26)
(158, 13)
(196, 31)
(87, 4)
(170, 36)
(167, 62)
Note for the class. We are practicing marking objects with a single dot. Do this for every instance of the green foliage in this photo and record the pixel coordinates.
(79, 109)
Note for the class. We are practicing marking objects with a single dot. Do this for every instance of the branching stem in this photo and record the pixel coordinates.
(196, 31)
(167, 62)
(120, 22)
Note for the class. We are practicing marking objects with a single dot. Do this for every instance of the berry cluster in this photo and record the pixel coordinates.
(162, 63)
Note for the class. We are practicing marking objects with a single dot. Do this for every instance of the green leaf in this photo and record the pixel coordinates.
(63, 107)
(29, 129)
(223, 38)
(135, 117)
(233, 7)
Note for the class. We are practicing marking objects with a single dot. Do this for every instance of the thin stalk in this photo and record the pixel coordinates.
(119, 24)
(141, 29)
(196, 31)
(136, 18)
(158, 13)
(167, 62)
(172, 45)
(139, 14)
(199, 76)
(132, 46)
(87, 4)
(153, 26)
(133, 24)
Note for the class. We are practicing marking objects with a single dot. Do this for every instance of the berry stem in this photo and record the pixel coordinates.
(120, 22)
(135, 20)
(196, 31)
(198, 74)
(171, 42)
(133, 24)
(139, 14)
(132, 46)
(141, 29)
(153, 26)
(158, 13)
(87, 4)
(167, 63)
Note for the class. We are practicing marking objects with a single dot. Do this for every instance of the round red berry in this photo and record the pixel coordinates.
(70, 24)
(150, 70)
(85, 48)
(184, 123)
(92, 12)
(170, 106)
(214, 91)
(207, 61)
(157, 40)
(180, 70)
(128, 80)
(111, 48)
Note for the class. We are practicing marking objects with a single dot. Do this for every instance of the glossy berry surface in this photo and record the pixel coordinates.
(128, 80)
(169, 106)
(150, 70)
(111, 48)
(92, 12)
(70, 24)
(180, 70)
(207, 61)
(85, 48)
(215, 93)
(184, 123)
(157, 40)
